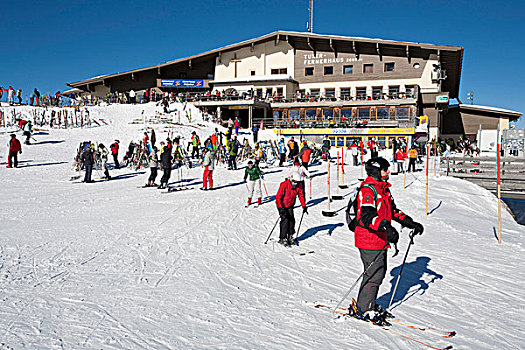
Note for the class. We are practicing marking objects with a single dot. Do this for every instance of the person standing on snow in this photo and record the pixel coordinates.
(233, 146)
(282, 152)
(208, 164)
(11, 96)
(230, 125)
(305, 154)
(88, 160)
(27, 132)
(294, 148)
(114, 152)
(165, 161)
(354, 149)
(14, 148)
(104, 160)
(373, 233)
(254, 176)
(255, 131)
(285, 201)
(299, 168)
(196, 143)
(236, 126)
(258, 154)
(399, 157)
(325, 148)
(153, 162)
(132, 96)
(412, 157)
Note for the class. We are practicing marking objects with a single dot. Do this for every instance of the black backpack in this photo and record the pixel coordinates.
(351, 218)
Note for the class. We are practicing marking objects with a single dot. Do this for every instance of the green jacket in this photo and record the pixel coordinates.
(254, 173)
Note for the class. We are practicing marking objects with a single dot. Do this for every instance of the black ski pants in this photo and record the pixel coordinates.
(13, 159)
(89, 169)
(411, 164)
(166, 176)
(153, 175)
(287, 223)
(115, 158)
(372, 279)
(356, 162)
(283, 159)
(194, 151)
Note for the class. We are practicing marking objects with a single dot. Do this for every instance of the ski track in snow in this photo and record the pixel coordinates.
(109, 265)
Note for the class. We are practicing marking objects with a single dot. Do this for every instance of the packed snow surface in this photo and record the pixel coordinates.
(110, 265)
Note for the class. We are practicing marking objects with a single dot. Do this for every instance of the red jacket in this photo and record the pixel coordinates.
(285, 197)
(114, 148)
(370, 213)
(14, 145)
(400, 155)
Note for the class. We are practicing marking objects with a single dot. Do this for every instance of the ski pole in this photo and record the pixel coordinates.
(299, 228)
(402, 266)
(265, 190)
(267, 239)
(334, 310)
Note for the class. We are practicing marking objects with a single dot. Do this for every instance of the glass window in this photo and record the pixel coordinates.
(332, 140)
(311, 114)
(368, 68)
(328, 70)
(364, 113)
(346, 115)
(314, 92)
(383, 113)
(381, 140)
(283, 71)
(330, 92)
(348, 69)
(410, 90)
(303, 93)
(328, 114)
(259, 92)
(389, 67)
(361, 93)
(309, 71)
(280, 91)
(274, 71)
(340, 141)
(393, 91)
(402, 113)
(350, 141)
(252, 72)
(294, 114)
(345, 93)
(277, 115)
(377, 92)
(210, 76)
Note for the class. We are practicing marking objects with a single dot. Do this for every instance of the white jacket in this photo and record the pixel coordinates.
(300, 169)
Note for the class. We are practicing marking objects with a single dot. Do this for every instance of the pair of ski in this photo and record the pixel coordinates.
(294, 248)
(254, 205)
(343, 312)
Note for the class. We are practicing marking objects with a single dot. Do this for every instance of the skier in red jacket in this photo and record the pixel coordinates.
(285, 201)
(14, 148)
(375, 211)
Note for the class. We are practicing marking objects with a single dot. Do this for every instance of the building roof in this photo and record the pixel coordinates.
(451, 57)
(494, 111)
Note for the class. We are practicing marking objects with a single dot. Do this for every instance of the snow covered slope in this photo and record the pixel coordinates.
(109, 265)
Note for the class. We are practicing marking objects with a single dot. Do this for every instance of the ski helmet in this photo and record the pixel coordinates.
(374, 166)
(295, 176)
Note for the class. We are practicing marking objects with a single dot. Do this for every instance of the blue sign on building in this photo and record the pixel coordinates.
(181, 83)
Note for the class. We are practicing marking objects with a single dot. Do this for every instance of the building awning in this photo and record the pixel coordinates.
(489, 111)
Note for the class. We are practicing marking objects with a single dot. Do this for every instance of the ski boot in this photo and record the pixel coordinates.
(284, 242)
(386, 314)
(373, 316)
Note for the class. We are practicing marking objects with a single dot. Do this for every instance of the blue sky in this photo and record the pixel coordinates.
(47, 44)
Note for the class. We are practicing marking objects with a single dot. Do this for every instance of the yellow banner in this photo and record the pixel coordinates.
(346, 131)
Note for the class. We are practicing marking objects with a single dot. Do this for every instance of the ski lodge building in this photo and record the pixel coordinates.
(313, 85)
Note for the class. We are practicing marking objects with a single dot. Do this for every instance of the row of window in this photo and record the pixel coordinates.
(361, 92)
(349, 69)
(343, 114)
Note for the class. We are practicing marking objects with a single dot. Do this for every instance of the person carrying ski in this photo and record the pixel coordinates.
(114, 152)
(373, 233)
(104, 160)
(208, 164)
(14, 148)
(288, 191)
(282, 152)
(88, 160)
(153, 162)
(305, 154)
(165, 161)
(412, 157)
(254, 176)
(195, 142)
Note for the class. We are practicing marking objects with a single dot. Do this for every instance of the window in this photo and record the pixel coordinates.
(364, 113)
(346, 115)
(269, 92)
(393, 91)
(277, 115)
(361, 93)
(348, 69)
(368, 68)
(345, 93)
(377, 92)
(183, 75)
(259, 92)
(274, 71)
(332, 140)
(389, 67)
(309, 71)
(311, 114)
(328, 70)
(252, 72)
(330, 93)
(340, 141)
(314, 92)
(280, 91)
(294, 114)
(283, 71)
(350, 141)
(410, 91)
(302, 92)
(402, 113)
(328, 114)
(209, 76)
(383, 113)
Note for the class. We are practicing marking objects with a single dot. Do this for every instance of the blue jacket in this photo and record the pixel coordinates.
(282, 147)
